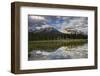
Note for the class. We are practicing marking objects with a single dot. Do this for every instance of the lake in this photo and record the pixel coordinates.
(52, 50)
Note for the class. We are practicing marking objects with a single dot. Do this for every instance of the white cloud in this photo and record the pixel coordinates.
(37, 18)
(38, 28)
(45, 26)
(42, 27)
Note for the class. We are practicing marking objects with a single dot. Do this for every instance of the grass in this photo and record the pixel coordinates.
(68, 40)
(54, 44)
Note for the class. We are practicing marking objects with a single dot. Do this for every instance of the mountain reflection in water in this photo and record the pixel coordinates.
(63, 52)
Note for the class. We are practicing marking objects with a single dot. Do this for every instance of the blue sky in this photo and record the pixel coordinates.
(58, 22)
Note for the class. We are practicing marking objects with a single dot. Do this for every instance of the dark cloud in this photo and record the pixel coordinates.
(59, 22)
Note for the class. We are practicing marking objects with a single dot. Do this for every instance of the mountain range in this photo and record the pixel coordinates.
(52, 30)
(46, 30)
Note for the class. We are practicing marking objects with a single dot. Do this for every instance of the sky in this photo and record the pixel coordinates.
(58, 22)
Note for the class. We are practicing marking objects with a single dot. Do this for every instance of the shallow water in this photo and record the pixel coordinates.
(63, 52)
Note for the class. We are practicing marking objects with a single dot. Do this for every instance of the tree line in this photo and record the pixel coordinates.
(50, 36)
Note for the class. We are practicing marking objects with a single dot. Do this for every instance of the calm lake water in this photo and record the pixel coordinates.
(62, 52)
